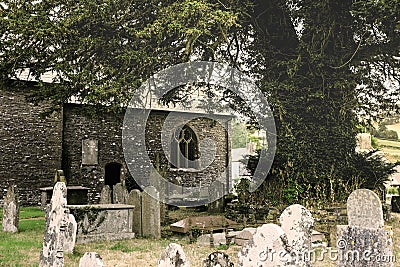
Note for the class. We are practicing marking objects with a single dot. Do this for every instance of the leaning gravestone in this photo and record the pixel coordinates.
(70, 234)
(173, 256)
(11, 210)
(296, 221)
(151, 225)
(218, 259)
(56, 219)
(364, 242)
(267, 248)
(91, 259)
(135, 199)
(106, 195)
(120, 194)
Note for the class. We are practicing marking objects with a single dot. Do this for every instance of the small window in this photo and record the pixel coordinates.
(184, 148)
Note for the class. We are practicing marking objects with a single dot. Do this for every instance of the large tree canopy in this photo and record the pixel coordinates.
(324, 66)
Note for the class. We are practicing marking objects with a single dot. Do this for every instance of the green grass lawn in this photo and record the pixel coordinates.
(21, 249)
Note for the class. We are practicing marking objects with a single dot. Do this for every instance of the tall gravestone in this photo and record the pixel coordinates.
(151, 225)
(364, 242)
(56, 220)
(135, 199)
(120, 194)
(106, 195)
(173, 256)
(11, 210)
(265, 247)
(70, 234)
(91, 259)
(216, 194)
(297, 222)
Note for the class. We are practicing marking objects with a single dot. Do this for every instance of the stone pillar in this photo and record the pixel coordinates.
(151, 213)
(135, 199)
(11, 210)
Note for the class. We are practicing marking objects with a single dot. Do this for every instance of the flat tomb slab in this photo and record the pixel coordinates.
(103, 222)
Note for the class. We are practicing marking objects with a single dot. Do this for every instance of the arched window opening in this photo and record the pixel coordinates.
(184, 149)
(112, 174)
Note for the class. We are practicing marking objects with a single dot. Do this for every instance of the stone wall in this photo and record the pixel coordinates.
(30, 146)
(106, 129)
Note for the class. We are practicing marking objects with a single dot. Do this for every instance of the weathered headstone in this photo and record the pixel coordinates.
(56, 219)
(120, 194)
(216, 194)
(218, 239)
(395, 203)
(296, 221)
(70, 234)
(364, 242)
(217, 259)
(11, 210)
(265, 248)
(244, 236)
(106, 195)
(173, 256)
(91, 259)
(135, 199)
(151, 213)
(59, 177)
(364, 209)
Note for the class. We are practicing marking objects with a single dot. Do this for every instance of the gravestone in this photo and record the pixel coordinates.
(296, 221)
(244, 236)
(364, 209)
(106, 195)
(11, 210)
(267, 248)
(59, 177)
(395, 203)
(216, 195)
(364, 242)
(70, 234)
(135, 199)
(56, 219)
(218, 239)
(151, 213)
(91, 259)
(173, 256)
(120, 194)
(217, 259)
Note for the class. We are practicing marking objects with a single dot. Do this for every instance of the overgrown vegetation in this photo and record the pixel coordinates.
(321, 64)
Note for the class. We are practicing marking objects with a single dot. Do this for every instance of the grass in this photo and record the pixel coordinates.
(23, 248)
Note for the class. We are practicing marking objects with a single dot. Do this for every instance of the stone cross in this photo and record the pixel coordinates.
(173, 256)
(297, 222)
(56, 220)
(218, 259)
(11, 210)
(91, 259)
(364, 242)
